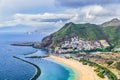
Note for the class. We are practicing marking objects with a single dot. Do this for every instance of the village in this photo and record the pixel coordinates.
(76, 44)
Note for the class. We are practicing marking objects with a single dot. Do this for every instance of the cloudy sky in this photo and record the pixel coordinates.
(53, 14)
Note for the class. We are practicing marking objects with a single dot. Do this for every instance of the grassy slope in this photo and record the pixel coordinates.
(113, 34)
(86, 31)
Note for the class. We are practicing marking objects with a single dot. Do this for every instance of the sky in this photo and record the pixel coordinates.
(53, 14)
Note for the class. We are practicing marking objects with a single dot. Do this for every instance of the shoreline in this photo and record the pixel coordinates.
(82, 72)
(72, 73)
(38, 71)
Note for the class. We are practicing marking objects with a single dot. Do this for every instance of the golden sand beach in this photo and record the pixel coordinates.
(83, 72)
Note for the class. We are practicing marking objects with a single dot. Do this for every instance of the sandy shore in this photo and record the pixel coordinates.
(83, 72)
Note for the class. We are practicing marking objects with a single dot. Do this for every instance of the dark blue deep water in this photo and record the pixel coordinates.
(14, 69)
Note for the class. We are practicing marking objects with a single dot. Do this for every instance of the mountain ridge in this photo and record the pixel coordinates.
(86, 31)
(113, 22)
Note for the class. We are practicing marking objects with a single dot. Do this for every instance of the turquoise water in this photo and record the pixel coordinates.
(13, 69)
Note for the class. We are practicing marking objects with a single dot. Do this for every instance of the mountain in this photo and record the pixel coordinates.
(112, 31)
(109, 30)
(113, 22)
(87, 31)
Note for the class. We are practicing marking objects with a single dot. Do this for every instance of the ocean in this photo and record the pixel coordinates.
(14, 69)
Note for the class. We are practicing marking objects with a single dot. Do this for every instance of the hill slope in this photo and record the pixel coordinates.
(86, 31)
(112, 31)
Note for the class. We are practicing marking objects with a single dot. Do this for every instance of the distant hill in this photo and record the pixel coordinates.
(87, 31)
(112, 31)
(113, 22)
(109, 30)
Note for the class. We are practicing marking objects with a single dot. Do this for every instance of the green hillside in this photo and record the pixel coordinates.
(113, 34)
(112, 31)
(86, 31)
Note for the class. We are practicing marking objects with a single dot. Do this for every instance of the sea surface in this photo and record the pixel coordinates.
(14, 69)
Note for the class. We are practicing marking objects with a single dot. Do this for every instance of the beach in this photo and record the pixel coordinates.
(82, 72)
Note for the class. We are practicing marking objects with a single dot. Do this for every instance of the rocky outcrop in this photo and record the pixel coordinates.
(50, 41)
(45, 43)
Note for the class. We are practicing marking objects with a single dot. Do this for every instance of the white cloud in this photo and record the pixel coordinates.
(87, 13)
(37, 20)
(91, 11)
(41, 17)
(95, 13)
(92, 14)
(11, 7)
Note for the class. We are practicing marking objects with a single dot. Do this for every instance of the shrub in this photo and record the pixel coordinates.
(101, 74)
(109, 63)
(101, 70)
(84, 63)
(117, 65)
(97, 70)
(67, 57)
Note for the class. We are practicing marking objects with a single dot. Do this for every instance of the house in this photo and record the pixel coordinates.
(104, 43)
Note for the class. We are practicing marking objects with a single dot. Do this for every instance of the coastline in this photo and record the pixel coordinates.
(72, 73)
(38, 71)
(82, 72)
(77, 71)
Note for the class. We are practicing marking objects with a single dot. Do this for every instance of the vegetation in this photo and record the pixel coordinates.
(84, 63)
(113, 34)
(67, 57)
(117, 65)
(98, 49)
(86, 31)
(109, 63)
(101, 74)
(101, 71)
(109, 31)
